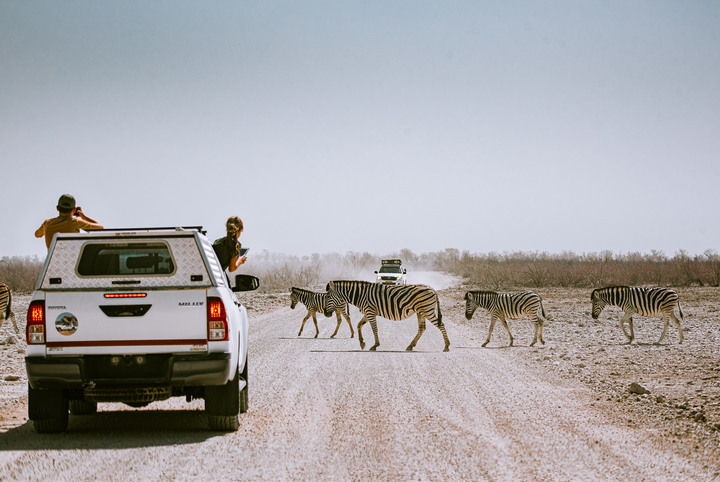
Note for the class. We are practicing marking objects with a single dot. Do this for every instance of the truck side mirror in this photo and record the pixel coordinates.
(376, 272)
(246, 282)
(404, 271)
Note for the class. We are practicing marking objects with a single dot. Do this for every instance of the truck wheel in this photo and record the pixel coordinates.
(48, 409)
(222, 405)
(83, 407)
(244, 393)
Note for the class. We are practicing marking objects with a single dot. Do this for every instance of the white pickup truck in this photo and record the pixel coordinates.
(136, 316)
(391, 273)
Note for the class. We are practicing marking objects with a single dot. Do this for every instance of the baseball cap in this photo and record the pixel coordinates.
(66, 202)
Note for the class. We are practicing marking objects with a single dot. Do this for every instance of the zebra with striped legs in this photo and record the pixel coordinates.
(641, 301)
(507, 305)
(391, 302)
(6, 306)
(316, 302)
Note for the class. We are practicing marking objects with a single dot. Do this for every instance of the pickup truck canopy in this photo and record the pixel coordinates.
(121, 259)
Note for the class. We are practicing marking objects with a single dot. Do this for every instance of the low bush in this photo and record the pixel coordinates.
(497, 272)
(279, 272)
(20, 273)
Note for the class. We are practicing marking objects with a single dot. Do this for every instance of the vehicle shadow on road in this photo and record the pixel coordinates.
(374, 352)
(115, 430)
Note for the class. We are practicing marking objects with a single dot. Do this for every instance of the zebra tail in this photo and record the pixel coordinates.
(439, 312)
(8, 310)
(542, 307)
(679, 309)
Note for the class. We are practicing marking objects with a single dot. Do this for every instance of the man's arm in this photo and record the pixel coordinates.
(40, 232)
(90, 223)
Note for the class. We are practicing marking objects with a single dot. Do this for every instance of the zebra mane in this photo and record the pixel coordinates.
(606, 288)
(481, 292)
(327, 287)
(614, 287)
(302, 290)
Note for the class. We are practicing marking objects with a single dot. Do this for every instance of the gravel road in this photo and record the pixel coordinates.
(322, 409)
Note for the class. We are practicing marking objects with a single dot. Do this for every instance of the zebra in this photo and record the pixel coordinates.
(507, 305)
(6, 306)
(315, 302)
(391, 302)
(643, 301)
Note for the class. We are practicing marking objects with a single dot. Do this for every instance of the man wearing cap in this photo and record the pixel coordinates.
(70, 220)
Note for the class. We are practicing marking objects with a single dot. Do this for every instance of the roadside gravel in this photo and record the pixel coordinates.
(323, 409)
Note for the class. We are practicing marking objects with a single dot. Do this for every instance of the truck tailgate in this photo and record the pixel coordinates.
(126, 322)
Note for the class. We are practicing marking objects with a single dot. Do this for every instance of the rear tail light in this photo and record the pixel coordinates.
(35, 330)
(217, 320)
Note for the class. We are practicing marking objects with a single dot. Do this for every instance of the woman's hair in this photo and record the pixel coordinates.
(233, 226)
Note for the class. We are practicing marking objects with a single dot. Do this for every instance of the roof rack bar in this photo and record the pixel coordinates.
(156, 228)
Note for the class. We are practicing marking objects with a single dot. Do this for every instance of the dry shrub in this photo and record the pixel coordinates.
(503, 271)
(20, 273)
(279, 272)
(499, 272)
(281, 277)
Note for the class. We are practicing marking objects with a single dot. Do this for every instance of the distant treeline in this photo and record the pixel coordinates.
(278, 272)
(498, 271)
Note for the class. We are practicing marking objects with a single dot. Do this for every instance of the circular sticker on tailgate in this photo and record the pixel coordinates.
(66, 324)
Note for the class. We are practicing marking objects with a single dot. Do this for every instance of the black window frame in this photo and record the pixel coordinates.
(88, 263)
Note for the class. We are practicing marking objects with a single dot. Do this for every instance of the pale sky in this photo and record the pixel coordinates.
(336, 126)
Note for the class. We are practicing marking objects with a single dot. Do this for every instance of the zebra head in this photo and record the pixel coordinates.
(471, 304)
(598, 303)
(333, 299)
(293, 299)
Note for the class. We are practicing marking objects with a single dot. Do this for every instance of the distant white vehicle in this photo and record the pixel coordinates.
(136, 316)
(391, 273)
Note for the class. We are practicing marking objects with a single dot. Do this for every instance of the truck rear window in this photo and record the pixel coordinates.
(113, 259)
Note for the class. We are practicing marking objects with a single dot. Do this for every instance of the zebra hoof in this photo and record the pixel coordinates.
(372, 348)
(447, 348)
(410, 348)
(484, 344)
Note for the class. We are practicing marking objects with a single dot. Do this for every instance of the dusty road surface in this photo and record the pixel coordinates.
(322, 409)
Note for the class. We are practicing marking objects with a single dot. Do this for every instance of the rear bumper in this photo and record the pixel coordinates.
(107, 371)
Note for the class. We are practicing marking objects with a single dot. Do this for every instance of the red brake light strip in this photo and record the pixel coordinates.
(125, 295)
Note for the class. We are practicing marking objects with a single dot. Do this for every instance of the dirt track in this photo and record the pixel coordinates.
(323, 409)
